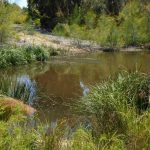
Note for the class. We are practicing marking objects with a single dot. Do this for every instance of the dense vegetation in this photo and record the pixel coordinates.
(10, 14)
(118, 114)
(13, 56)
(51, 12)
(115, 23)
(116, 111)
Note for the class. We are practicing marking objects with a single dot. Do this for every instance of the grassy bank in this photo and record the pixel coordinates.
(118, 114)
(119, 109)
(19, 55)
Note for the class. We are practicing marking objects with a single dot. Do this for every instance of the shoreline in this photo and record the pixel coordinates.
(70, 46)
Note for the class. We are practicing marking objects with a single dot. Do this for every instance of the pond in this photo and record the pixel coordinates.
(62, 81)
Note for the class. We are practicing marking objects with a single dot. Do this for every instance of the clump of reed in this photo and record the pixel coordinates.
(118, 114)
(19, 88)
(13, 56)
(119, 107)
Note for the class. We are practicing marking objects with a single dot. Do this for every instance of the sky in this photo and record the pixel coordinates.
(21, 3)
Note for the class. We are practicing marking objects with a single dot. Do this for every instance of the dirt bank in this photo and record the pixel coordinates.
(73, 46)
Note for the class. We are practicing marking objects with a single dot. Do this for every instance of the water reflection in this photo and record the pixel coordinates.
(29, 86)
(85, 89)
(61, 82)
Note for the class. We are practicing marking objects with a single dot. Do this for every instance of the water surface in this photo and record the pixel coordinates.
(61, 81)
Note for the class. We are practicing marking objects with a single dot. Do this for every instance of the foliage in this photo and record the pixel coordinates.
(12, 56)
(10, 14)
(129, 28)
(135, 24)
(16, 134)
(108, 31)
(117, 121)
(5, 22)
(37, 23)
(19, 15)
(62, 29)
(120, 106)
(39, 53)
(19, 88)
(51, 12)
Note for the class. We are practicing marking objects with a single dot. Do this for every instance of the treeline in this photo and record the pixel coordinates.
(112, 23)
(51, 12)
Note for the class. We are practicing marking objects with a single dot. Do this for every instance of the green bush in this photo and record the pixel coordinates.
(37, 23)
(29, 54)
(90, 19)
(109, 34)
(12, 56)
(41, 54)
(120, 106)
(135, 24)
(77, 16)
(129, 28)
(62, 30)
(5, 22)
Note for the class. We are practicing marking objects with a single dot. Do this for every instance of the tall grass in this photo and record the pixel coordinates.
(120, 106)
(12, 56)
(20, 88)
(118, 113)
(16, 134)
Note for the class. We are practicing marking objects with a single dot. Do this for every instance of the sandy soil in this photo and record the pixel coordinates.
(70, 45)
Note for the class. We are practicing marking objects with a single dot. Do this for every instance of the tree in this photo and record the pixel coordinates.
(5, 21)
(51, 11)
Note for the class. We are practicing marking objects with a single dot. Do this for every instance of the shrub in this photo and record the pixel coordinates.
(108, 32)
(90, 19)
(77, 16)
(29, 54)
(19, 16)
(37, 23)
(5, 22)
(12, 56)
(135, 23)
(62, 30)
(40, 54)
(119, 107)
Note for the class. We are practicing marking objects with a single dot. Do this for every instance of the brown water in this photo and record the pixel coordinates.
(63, 80)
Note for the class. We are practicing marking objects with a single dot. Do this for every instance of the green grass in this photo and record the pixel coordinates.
(15, 88)
(13, 56)
(120, 107)
(118, 111)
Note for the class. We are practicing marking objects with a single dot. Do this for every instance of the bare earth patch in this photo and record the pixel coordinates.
(72, 46)
(49, 41)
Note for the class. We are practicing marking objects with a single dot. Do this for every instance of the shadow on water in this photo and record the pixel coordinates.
(55, 85)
